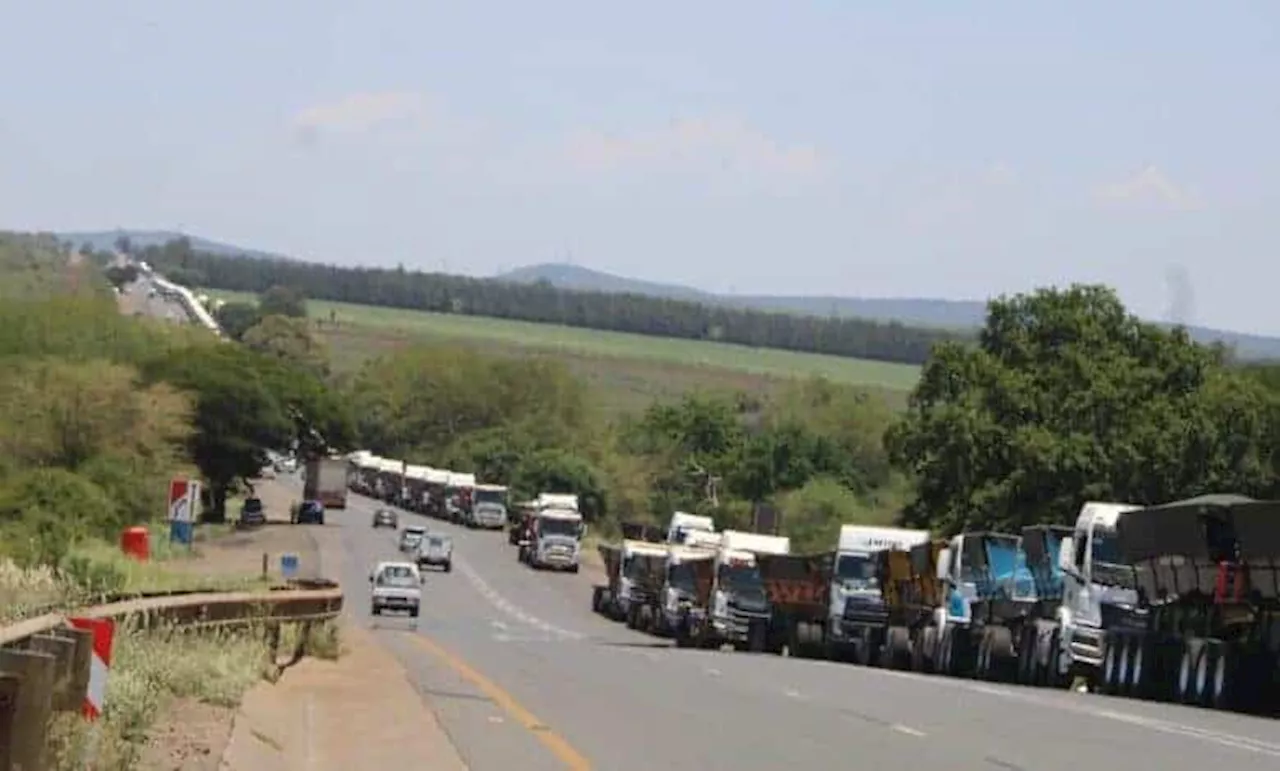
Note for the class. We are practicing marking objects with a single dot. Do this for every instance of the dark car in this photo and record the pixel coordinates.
(386, 518)
(308, 513)
(252, 513)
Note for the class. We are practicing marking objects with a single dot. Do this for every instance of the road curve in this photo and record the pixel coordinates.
(522, 674)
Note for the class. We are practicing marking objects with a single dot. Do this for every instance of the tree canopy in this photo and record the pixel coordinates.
(1068, 398)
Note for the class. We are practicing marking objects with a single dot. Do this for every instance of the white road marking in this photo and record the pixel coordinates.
(792, 693)
(906, 729)
(1093, 707)
(510, 608)
(713, 672)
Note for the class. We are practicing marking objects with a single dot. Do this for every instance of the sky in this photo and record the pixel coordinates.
(954, 149)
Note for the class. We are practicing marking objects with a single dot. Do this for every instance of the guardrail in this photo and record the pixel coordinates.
(46, 662)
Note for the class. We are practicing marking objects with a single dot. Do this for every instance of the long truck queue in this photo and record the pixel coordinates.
(1178, 602)
(548, 529)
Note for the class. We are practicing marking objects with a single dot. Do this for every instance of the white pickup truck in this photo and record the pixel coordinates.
(396, 587)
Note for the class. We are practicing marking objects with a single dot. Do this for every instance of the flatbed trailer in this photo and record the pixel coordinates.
(1206, 627)
(798, 587)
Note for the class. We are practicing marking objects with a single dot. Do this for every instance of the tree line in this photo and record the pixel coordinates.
(543, 303)
(1066, 397)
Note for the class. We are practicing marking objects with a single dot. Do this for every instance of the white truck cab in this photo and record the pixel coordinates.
(489, 507)
(627, 589)
(853, 578)
(683, 524)
(395, 586)
(1084, 558)
(458, 492)
(738, 600)
(557, 539)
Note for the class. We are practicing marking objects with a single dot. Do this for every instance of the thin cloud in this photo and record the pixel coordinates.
(713, 142)
(1149, 186)
(361, 112)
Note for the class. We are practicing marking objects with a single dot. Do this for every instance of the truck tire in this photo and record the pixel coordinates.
(928, 650)
(1002, 657)
(448, 566)
(375, 610)
(573, 568)
(897, 648)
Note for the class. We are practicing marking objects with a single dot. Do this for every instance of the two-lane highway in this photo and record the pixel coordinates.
(522, 673)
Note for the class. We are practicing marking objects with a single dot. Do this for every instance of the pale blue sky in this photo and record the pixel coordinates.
(949, 149)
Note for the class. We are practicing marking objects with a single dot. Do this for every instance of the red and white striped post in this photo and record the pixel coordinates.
(103, 630)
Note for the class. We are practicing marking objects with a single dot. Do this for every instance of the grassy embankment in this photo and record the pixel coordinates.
(629, 371)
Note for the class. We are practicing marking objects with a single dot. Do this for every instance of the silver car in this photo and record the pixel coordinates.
(436, 550)
(410, 537)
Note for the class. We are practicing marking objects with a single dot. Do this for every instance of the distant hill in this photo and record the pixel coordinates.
(105, 240)
(951, 314)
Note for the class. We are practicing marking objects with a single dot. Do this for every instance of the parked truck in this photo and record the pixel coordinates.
(1097, 591)
(911, 592)
(798, 587)
(488, 507)
(856, 613)
(682, 523)
(986, 591)
(325, 481)
(554, 539)
(681, 589)
(1037, 635)
(1205, 627)
(732, 607)
(625, 570)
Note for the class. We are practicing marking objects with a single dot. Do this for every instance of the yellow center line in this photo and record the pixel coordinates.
(557, 744)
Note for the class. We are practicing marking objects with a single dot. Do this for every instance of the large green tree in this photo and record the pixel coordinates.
(1068, 398)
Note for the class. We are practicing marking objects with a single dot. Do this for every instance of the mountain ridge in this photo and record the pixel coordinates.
(909, 311)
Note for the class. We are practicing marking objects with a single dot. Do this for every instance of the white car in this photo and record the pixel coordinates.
(396, 587)
(411, 537)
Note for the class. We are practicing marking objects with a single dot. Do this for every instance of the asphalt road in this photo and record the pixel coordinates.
(137, 301)
(523, 675)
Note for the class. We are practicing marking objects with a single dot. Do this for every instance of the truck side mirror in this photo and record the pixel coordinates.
(944, 564)
(1066, 554)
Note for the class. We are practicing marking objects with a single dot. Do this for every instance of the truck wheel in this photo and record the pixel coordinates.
(596, 595)
(573, 568)
(375, 610)
(898, 651)
(448, 567)
(413, 612)
(928, 649)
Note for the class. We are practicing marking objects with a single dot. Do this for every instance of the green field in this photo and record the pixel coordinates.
(637, 367)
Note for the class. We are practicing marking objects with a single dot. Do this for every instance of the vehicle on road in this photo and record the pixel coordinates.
(732, 607)
(458, 497)
(521, 528)
(436, 550)
(682, 523)
(396, 587)
(680, 589)
(309, 512)
(325, 480)
(626, 571)
(386, 518)
(555, 541)
(411, 537)
(252, 513)
(855, 589)
(1205, 625)
(488, 507)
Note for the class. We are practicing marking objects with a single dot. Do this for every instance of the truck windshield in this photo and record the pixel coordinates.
(681, 577)
(567, 527)
(857, 571)
(630, 566)
(741, 579)
(492, 497)
(1105, 547)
